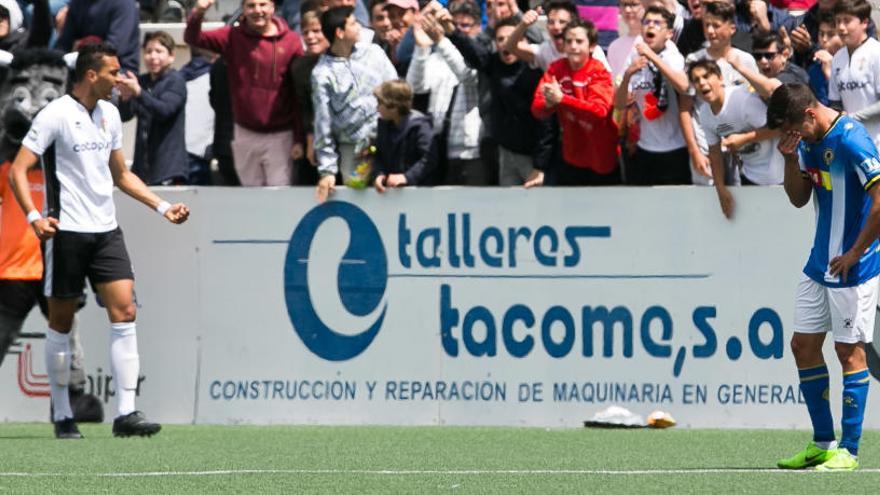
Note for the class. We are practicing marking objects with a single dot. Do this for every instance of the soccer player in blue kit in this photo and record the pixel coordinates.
(832, 158)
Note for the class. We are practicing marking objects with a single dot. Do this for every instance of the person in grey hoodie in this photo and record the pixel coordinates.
(342, 97)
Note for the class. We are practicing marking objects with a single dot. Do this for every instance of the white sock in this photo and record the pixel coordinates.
(57, 350)
(827, 445)
(126, 365)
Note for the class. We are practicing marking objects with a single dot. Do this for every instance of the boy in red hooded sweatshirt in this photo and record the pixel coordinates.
(579, 90)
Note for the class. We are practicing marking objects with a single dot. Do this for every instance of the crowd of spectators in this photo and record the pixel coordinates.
(475, 93)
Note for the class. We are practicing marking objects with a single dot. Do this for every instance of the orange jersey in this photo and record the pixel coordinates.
(20, 257)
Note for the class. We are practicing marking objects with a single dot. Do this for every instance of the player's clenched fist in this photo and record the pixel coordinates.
(45, 228)
(178, 213)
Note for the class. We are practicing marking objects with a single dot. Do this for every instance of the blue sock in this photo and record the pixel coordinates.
(814, 386)
(855, 396)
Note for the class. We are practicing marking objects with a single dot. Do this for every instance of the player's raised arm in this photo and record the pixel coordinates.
(132, 185)
(24, 161)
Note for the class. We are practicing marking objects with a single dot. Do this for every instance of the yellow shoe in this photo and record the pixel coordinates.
(842, 460)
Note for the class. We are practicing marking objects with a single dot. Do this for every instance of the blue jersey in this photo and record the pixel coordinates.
(842, 167)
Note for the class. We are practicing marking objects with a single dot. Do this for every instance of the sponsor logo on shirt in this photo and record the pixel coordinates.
(820, 178)
(851, 85)
(92, 146)
(870, 164)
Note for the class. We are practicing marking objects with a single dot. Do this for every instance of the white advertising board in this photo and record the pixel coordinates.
(460, 306)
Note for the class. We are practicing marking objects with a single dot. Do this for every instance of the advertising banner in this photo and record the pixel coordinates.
(460, 306)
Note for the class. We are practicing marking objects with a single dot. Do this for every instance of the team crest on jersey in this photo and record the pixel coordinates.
(828, 156)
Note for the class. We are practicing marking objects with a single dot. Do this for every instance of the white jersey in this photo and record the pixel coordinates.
(657, 133)
(79, 185)
(546, 54)
(855, 81)
(731, 77)
(743, 111)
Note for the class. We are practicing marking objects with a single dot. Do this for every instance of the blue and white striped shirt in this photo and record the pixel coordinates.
(843, 166)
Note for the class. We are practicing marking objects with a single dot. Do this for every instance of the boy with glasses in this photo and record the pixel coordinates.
(661, 155)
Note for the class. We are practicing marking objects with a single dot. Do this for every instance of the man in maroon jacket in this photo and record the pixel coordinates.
(257, 52)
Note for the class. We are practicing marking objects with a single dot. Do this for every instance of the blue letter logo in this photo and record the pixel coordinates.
(360, 283)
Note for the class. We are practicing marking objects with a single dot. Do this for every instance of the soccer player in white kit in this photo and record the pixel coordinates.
(831, 158)
(79, 136)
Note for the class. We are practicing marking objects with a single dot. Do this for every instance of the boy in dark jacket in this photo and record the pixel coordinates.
(513, 83)
(158, 100)
(404, 139)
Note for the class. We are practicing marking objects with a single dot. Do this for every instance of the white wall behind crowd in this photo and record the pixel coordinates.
(456, 306)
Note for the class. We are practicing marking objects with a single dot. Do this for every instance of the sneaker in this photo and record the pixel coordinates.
(66, 429)
(842, 460)
(134, 424)
(809, 457)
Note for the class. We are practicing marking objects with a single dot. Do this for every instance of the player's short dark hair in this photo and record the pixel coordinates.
(334, 19)
(787, 105)
(91, 57)
(507, 21)
(710, 66)
(667, 16)
(855, 8)
(566, 5)
(723, 10)
(585, 24)
(162, 37)
(469, 9)
(762, 41)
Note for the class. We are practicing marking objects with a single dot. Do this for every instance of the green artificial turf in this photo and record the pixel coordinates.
(275, 459)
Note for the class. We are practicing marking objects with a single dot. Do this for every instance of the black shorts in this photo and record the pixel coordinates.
(71, 257)
(18, 298)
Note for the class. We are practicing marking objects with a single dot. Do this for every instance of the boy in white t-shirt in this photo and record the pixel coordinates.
(718, 26)
(723, 111)
(855, 71)
(661, 156)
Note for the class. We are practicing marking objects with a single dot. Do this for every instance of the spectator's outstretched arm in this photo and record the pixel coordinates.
(455, 61)
(215, 40)
(417, 173)
(517, 44)
(598, 100)
(416, 75)
(475, 54)
(763, 85)
(725, 198)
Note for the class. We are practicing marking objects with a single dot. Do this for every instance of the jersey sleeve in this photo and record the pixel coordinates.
(42, 133)
(862, 154)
